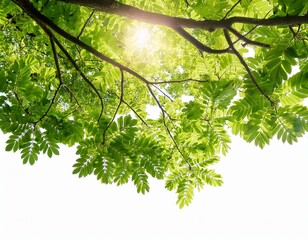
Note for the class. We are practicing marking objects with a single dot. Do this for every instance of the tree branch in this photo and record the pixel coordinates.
(167, 128)
(131, 108)
(20, 103)
(200, 46)
(251, 30)
(41, 19)
(117, 109)
(85, 24)
(72, 94)
(246, 40)
(73, 62)
(231, 9)
(278, 21)
(114, 7)
(179, 81)
(227, 36)
(162, 92)
(59, 75)
(55, 54)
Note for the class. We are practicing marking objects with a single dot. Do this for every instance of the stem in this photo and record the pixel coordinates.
(55, 56)
(227, 36)
(246, 40)
(85, 24)
(73, 62)
(167, 128)
(117, 109)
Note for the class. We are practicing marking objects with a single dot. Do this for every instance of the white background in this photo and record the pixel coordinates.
(265, 196)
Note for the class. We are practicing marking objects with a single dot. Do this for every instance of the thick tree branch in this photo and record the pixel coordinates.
(200, 46)
(114, 7)
(278, 21)
(41, 19)
(177, 24)
(120, 9)
(251, 30)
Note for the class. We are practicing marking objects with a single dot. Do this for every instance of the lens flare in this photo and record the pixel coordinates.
(142, 37)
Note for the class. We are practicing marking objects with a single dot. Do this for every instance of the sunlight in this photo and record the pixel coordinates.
(250, 53)
(142, 37)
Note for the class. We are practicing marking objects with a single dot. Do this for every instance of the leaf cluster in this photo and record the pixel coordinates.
(74, 74)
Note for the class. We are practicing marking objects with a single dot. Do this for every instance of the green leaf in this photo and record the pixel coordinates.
(193, 110)
(121, 175)
(185, 193)
(140, 180)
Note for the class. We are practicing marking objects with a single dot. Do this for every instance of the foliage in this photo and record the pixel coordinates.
(77, 76)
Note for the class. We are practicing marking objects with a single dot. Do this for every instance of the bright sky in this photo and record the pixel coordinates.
(265, 196)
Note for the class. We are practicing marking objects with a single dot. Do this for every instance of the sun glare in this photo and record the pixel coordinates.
(142, 37)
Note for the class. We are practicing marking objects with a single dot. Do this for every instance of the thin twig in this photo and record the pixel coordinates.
(131, 108)
(73, 62)
(70, 113)
(50, 105)
(187, 3)
(294, 34)
(45, 4)
(55, 56)
(252, 29)
(248, 41)
(59, 75)
(179, 81)
(166, 127)
(228, 38)
(117, 109)
(72, 94)
(20, 103)
(85, 24)
(231, 9)
(162, 92)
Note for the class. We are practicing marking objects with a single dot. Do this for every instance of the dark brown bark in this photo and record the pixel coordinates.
(177, 24)
(120, 9)
(28, 8)
(114, 7)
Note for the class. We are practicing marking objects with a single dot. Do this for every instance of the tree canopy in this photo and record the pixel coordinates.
(86, 73)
